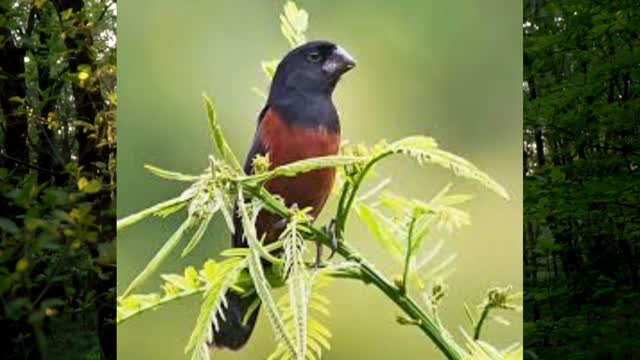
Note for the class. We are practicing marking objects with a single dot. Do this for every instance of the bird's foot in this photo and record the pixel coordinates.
(330, 231)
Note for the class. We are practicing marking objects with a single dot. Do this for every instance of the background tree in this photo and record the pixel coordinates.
(582, 189)
(57, 178)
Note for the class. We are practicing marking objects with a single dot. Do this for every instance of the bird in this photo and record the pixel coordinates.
(299, 121)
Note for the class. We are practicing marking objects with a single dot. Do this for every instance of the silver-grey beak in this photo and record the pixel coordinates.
(339, 62)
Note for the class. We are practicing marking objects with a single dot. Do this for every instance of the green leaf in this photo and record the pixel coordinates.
(372, 219)
(159, 257)
(429, 256)
(177, 287)
(89, 186)
(199, 233)
(217, 136)
(8, 226)
(159, 209)
(170, 210)
(317, 335)
(441, 268)
(261, 93)
(187, 282)
(307, 165)
(269, 68)
(260, 282)
(470, 314)
(298, 277)
(107, 253)
(294, 23)
(222, 278)
(375, 190)
(425, 149)
(171, 175)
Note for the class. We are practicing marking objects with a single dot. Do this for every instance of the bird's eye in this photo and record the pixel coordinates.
(314, 57)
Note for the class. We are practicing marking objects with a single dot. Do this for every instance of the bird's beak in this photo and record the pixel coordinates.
(339, 62)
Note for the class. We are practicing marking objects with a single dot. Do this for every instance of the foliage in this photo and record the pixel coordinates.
(582, 150)
(57, 178)
(296, 318)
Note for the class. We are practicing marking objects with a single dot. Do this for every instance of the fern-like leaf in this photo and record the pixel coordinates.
(220, 277)
(217, 136)
(374, 220)
(161, 209)
(175, 287)
(298, 278)
(260, 282)
(294, 23)
(306, 165)
(171, 175)
(425, 150)
(269, 68)
(160, 256)
(317, 336)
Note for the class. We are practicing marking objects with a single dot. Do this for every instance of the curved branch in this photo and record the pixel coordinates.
(370, 276)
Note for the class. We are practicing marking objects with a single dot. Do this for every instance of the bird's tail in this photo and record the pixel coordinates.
(234, 333)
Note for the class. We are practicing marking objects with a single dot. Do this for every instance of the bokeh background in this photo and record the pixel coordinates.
(447, 69)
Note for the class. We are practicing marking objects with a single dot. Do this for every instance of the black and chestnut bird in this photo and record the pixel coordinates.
(299, 121)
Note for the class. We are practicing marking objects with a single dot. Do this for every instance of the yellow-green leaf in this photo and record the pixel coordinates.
(89, 186)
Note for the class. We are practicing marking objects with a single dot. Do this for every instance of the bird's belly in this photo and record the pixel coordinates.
(285, 145)
(305, 190)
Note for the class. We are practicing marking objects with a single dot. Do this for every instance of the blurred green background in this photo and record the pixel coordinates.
(447, 69)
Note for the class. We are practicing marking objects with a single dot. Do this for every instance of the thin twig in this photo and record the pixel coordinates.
(483, 317)
(407, 260)
(343, 211)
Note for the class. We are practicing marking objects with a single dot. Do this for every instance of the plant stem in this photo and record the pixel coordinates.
(403, 300)
(483, 317)
(343, 208)
(370, 276)
(407, 260)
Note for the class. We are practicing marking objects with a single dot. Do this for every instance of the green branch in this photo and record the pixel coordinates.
(370, 276)
(350, 191)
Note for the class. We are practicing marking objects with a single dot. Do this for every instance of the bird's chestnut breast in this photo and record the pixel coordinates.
(285, 144)
(288, 143)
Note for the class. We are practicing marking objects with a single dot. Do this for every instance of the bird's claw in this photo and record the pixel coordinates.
(330, 231)
(318, 261)
(333, 235)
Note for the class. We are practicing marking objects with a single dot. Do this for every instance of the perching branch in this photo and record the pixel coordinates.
(370, 276)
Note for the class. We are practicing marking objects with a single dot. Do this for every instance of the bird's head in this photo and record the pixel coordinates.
(311, 69)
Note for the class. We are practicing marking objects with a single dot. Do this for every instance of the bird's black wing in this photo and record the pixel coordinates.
(257, 148)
